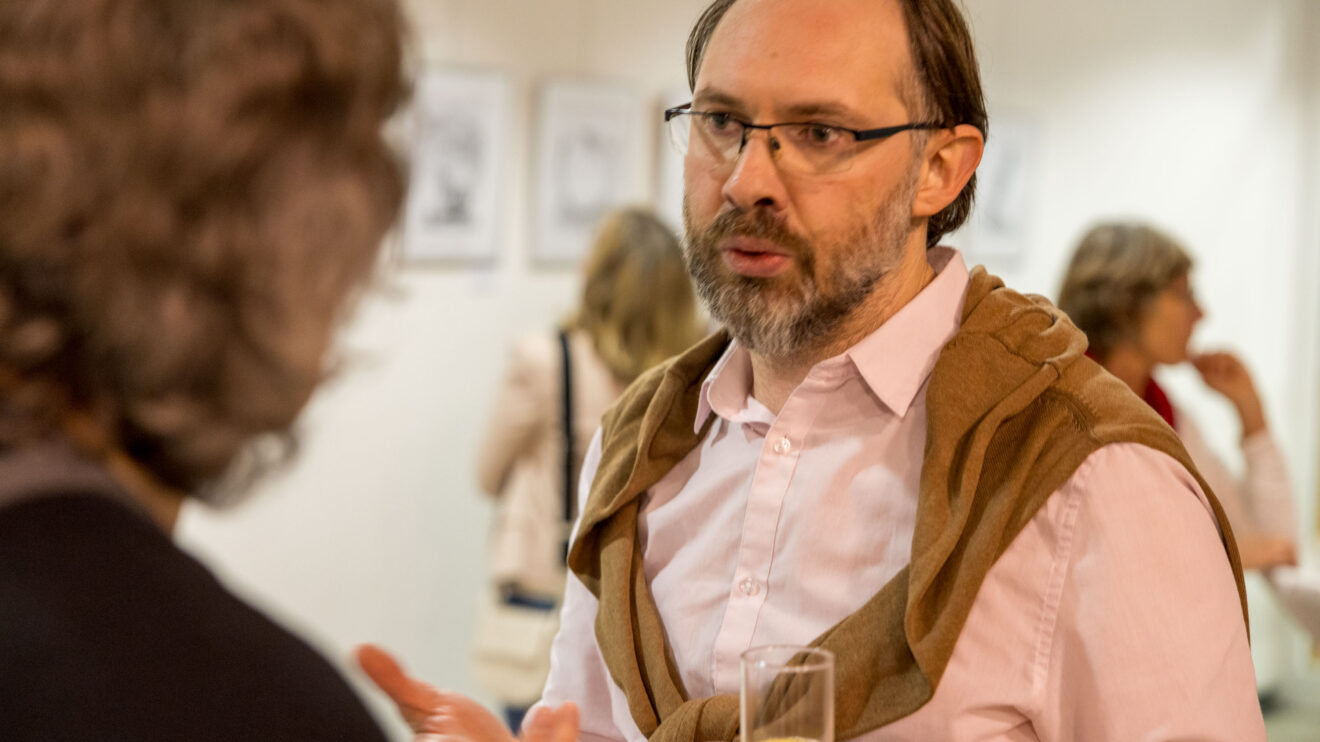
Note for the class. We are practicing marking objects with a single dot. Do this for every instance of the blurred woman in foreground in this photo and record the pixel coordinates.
(191, 195)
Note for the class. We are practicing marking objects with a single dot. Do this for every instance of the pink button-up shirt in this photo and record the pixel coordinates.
(1112, 616)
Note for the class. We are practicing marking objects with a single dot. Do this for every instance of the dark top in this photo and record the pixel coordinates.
(108, 631)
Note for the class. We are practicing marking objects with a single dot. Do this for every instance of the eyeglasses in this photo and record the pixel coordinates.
(801, 148)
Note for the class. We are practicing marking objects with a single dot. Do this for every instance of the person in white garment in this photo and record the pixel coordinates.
(636, 309)
(1128, 286)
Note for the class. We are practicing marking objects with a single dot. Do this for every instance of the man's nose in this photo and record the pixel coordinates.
(755, 179)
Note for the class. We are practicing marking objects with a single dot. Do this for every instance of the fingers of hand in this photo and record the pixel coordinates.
(379, 665)
(1219, 364)
(558, 724)
(461, 718)
(456, 717)
(540, 727)
(1207, 363)
(418, 702)
(567, 729)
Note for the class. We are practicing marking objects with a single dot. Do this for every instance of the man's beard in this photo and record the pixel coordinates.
(786, 315)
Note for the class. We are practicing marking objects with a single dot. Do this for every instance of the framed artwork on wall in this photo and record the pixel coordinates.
(998, 231)
(590, 150)
(457, 144)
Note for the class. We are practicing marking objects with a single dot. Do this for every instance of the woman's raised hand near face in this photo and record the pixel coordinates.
(1226, 374)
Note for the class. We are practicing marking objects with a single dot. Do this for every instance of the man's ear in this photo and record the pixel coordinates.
(950, 158)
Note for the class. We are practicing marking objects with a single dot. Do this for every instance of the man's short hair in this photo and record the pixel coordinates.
(1115, 271)
(947, 89)
(189, 192)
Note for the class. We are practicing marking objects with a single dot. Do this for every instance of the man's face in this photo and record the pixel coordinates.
(783, 259)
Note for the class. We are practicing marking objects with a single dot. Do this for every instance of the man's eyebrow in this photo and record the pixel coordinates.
(707, 97)
(796, 111)
(819, 108)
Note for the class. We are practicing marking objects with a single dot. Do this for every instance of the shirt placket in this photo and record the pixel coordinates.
(775, 466)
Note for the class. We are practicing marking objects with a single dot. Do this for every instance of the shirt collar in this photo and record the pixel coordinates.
(727, 390)
(894, 360)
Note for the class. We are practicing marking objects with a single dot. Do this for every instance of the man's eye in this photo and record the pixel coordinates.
(719, 121)
(819, 135)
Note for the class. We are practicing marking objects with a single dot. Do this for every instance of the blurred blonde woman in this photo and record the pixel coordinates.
(637, 308)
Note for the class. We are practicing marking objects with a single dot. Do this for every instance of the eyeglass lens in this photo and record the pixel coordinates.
(804, 149)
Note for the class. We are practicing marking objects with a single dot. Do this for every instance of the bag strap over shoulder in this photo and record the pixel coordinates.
(569, 452)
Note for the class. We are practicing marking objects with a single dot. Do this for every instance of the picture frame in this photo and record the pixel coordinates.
(998, 229)
(590, 149)
(457, 149)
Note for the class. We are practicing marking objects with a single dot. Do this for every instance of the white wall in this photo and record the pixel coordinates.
(1306, 390)
(1201, 115)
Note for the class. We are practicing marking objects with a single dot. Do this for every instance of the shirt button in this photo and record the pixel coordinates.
(749, 587)
(783, 446)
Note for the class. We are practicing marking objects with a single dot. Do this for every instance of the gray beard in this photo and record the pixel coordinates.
(785, 317)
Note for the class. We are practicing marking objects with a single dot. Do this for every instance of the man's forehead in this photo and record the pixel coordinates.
(853, 49)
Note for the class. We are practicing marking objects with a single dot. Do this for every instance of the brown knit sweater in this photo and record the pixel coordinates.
(1013, 409)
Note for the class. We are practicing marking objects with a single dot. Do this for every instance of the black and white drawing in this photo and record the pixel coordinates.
(590, 159)
(458, 124)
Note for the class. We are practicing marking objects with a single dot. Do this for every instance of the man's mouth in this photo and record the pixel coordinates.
(751, 256)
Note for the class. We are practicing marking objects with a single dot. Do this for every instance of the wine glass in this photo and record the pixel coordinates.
(787, 694)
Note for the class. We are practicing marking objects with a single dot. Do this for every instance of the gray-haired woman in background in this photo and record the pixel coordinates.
(1128, 287)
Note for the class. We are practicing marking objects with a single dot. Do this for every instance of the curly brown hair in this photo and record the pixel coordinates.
(946, 89)
(190, 192)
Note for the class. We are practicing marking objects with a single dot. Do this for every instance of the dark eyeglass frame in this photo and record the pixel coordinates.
(860, 135)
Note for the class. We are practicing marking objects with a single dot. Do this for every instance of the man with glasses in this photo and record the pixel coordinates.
(883, 454)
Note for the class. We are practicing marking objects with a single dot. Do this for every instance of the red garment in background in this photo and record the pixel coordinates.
(1153, 395)
(1157, 399)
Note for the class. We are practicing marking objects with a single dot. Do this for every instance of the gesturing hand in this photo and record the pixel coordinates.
(1226, 374)
(434, 714)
